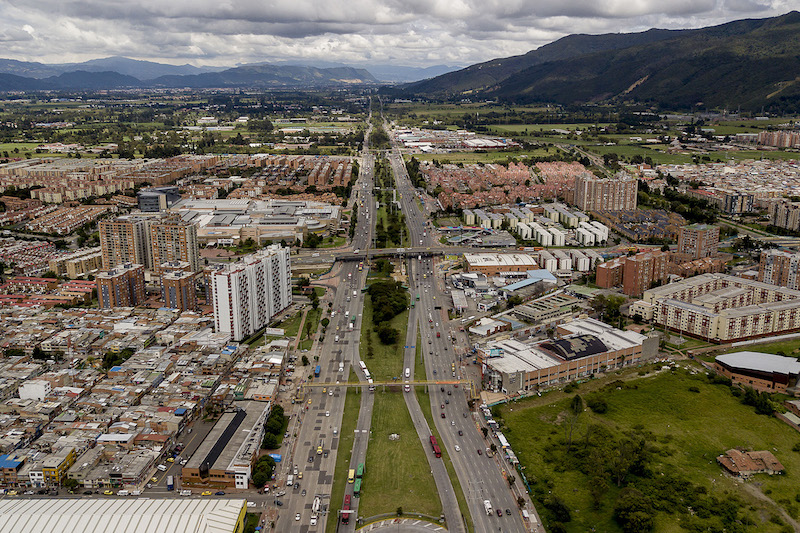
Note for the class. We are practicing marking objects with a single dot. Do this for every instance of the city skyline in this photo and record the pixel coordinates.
(358, 33)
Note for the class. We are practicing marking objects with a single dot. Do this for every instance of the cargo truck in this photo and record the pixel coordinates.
(488, 506)
(170, 483)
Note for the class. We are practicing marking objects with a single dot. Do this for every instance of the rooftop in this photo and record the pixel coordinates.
(760, 362)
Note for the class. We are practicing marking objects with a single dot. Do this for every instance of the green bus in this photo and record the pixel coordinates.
(357, 488)
(360, 471)
(417, 296)
(412, 304)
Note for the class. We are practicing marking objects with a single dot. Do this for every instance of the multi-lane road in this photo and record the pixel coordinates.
(479, 475)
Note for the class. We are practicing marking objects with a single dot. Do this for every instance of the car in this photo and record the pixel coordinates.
(324, 390)
(170, 459)
(149, 485)
(480, 452)
(184, 461)
(447, 401)
(310, 458)
(154, 479)
(499, 512)
(303, 492)
(325, 453)
(88, 492)
(327, 413)
(449, 393)
(279, 503)
(460, 433)
(465, 415)
(297, 517)
(458, 448)
(219, 493)
(11, 493)
(108, 492)
(206, 493)
(309, 401)
(299, 475)
(442, 406)
(28, 492)
(330, 393)
(443, 415)
(296, 486)
(313, 521)
(508, 512)
(441, 389)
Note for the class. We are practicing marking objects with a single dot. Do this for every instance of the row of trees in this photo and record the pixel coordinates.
(274, 428)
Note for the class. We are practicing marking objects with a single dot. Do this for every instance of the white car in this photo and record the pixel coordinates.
(297, 517)
(327, 413)
(313, 520)
(458, 448)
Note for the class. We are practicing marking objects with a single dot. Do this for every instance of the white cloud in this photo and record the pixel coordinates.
(410, 32)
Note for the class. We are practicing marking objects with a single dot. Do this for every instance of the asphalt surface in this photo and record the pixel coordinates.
(316, 421)
(480, 476)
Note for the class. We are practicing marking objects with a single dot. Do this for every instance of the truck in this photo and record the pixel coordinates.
(170, 483)
(289, 480)
(317, 370)
(341, 366)
(336, 338)
(488, 506)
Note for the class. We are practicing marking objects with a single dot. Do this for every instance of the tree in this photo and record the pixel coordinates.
(260, 479)
(573, 413)
(70, 483)
(270, 442)
(633, 511)
(388, 334)
(521, 501)
(305, 360)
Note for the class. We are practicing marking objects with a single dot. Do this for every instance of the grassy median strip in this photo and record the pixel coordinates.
(386, 361)
(397, 473)
(425, 404)
(352, 406)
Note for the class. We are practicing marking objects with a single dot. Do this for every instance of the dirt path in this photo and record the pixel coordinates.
(753, 490)
(300, 330)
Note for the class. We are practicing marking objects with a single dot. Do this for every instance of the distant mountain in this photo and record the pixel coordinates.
(748, 62)
(381, 72)
(247, 76)
(142, 70)
(269, 76)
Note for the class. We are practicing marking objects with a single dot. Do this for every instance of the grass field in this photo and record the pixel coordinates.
(313, 318)
(790, 348)
(484, 157)
(387, 361)
(352, 406)
(396, 474)
(425, 405)
(687, 430)
(291, 325)
(333, 242)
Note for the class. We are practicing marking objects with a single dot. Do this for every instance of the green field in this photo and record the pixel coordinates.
(684, 431)
(387, 361)
(352, 406)
(291, 325)
(396, 474)
(789, 348)
(313, 318)
(485, 157)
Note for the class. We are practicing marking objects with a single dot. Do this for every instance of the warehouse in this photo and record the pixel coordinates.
(761, 371)
(499, 264)
(123, 515)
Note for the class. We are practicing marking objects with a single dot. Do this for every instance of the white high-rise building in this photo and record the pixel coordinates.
(248, 293)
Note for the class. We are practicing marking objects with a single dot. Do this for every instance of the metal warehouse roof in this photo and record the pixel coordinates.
(761, 362)
(120, 515)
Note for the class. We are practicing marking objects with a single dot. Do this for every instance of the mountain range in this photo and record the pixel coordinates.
(747, 63)
(122, 72)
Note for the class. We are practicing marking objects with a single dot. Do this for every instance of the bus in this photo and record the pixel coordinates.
(417, 296)
(435, 447)
(346, 510)
(317, 370)
(412, 304)
(357, 488)
(363, 366)
(351, 475)
(360, 471)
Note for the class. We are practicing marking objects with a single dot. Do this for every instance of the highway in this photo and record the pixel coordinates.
(480, 476)
(321, 411)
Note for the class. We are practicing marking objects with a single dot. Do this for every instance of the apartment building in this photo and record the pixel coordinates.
(617, 194)
(642, 270)
(125, 240)
(248, 293)
(785, 214)
(174, 240)
(698, 240)
(178, 290)
(122, 286)
(779, 267)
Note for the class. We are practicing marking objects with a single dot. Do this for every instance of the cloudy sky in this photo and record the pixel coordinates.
(400, 32)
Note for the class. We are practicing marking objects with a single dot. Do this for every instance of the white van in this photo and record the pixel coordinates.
(162, 468)
(136, 493)
(186, 492)
(122, 493)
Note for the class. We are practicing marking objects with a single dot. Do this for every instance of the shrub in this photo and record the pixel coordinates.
(597, 405)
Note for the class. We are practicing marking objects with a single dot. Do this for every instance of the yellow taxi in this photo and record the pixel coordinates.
(154, 479)
(309, 401)
(206, 493)
(324, 390)
(170, 459)
(108, 492)
(12, 493)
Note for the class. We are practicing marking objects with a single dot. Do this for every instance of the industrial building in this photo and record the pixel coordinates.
(583, 347)
(761, 371)
(226, 456)
(499, 264)
(123, 515)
